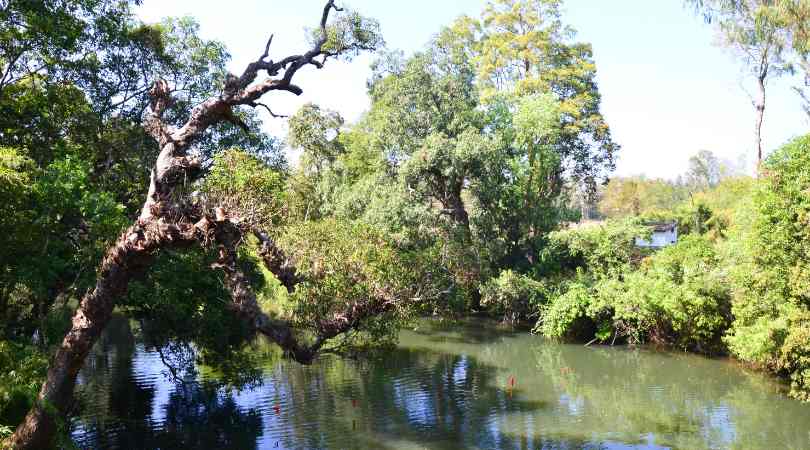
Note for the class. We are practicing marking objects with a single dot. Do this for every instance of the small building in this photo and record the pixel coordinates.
(663, 234)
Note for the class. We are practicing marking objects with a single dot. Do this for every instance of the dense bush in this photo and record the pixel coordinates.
(674, 297)
(22, 369)
(604, 250)
(513, 296)
(737, 281)
(769, 263)
(561, 317)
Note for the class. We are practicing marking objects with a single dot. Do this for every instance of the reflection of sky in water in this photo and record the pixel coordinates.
(447, 390)
(150, 371)
(720, 426)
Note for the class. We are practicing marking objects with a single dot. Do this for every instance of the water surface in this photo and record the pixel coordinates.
(470, 385)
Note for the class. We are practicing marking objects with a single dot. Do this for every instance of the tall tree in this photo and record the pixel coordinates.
(522, 48)
(794, 17)
(752, 30)
(170, 218)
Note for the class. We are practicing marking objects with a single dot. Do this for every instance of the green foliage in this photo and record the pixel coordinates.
(316, 132)
(537, 120)
(45, 35)
(794, 355)
(347, 267)
(453, 187)
(522, 48)
(248, 188)
(674, 297)
(22, 369)
(61, 226)
(348, 33)
(604, 250)
(768, 253)
(565, 313)
(513, 296)
(736, 281)
(635, 196)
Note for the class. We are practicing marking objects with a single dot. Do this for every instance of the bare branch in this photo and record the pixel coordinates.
(277, 116)
(267, 48)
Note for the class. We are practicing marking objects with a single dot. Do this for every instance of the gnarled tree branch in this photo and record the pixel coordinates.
(163, 225)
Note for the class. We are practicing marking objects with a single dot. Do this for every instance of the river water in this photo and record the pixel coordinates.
(468, 385)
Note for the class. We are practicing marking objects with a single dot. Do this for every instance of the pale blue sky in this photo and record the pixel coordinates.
(667, 90)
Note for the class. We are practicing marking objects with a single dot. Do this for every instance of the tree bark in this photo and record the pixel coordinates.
(760, 117)
(129, 257)
(276, 262)
(457, 210)
(461, 217)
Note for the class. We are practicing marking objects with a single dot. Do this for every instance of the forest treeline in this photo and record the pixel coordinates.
(454, 193)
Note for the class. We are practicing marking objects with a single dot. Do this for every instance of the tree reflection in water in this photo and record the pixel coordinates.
(442, 388)
(129, 400)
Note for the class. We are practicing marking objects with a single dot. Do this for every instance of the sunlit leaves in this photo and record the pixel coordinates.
(348, 268)
(348, 33)
(250, 191)
(315, 132)
(768, 250)
(523, 48)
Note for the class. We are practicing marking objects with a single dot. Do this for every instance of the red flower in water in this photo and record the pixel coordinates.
(277, 409)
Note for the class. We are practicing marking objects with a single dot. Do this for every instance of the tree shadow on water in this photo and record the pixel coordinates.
(122, 404)
(411, 397)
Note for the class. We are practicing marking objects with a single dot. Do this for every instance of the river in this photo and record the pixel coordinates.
(445, 386)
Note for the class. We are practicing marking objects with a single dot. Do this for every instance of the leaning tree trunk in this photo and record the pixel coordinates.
(129, 257)
(227, 236)
(162, 223)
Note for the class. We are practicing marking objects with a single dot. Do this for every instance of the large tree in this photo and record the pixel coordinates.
(77, 125)
(171, 218)
(522, 47)
(752, 30)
